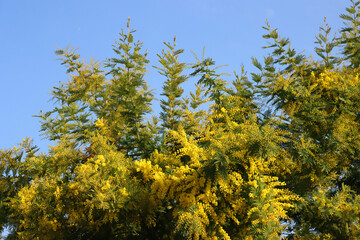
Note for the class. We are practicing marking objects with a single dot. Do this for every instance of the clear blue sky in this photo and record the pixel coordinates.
(230, 30)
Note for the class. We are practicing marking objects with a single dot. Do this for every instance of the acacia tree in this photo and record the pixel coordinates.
(227, 171)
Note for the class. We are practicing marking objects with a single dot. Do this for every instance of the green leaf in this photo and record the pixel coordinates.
(256, 77)
(346, 17)
(321, 55)
(329, 48)
(256, 63)
(347, 29)
(319, 50)
(274, 34)
(59, 52)
(179, 51)
(351, 10)
(130, 38)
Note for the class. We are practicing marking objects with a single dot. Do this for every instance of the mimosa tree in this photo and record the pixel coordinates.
(216, 163)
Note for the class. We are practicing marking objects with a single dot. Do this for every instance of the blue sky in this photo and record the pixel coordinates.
(230, 30)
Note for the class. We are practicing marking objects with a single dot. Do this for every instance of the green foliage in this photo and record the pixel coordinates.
(172, 69)
(214, 165)
(350, 34)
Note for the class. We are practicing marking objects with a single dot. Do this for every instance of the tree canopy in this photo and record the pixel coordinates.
(270, 155)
